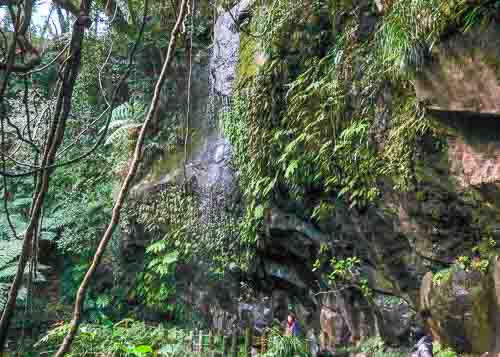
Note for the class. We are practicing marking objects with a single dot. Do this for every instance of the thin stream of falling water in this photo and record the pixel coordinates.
(222, 72)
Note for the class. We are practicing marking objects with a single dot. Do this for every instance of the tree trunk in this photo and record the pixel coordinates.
(53, 142)
(115, 218)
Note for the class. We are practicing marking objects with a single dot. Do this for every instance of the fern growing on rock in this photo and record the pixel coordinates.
(9, 251)
(125, 117)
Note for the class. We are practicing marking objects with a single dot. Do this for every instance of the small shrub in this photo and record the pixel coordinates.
(440, 351)
(285, 346)
(125, 338)
(372, 346)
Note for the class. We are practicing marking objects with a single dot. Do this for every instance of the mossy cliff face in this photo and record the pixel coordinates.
(400, 170)
(464, 73)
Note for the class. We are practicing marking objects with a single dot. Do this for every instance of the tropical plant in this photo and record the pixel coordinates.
(125, 118)
(411, 28)
(156, 284)
(285, 346)
(9, 252)
(11, 245)
(442, 351)
(127, 338)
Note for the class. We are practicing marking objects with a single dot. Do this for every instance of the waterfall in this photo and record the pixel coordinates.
(218, 180)
(224, 57)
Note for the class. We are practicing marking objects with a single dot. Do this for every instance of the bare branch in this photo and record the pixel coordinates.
(21, 68)
(68, 6)
(82, 291)
(5, 184)
(101, 138)
(53, 142)
(99, 75)
(59, 55)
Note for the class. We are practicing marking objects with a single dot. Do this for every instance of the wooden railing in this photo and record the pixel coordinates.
(223, 345)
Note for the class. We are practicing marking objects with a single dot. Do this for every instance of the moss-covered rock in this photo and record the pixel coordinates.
(249, 57)
(463, 308)
(464, 75)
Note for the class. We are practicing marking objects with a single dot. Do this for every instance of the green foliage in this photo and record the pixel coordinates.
(9, 251)
(342, 268)
(183, 228)
(443, 275)
(375, 347)
(411, 28)
(441, 351)
(186, 222)
(10, 247)
(372, 346)
(126, 338)
(71, 278)
(257, 187)
(306, 119)
(407, 33)
(284, 346)
(87, 89)
(83, 216)
(342, 273)
(156, 285)
(483, 252)
(311, 146)
(409, 124)
(126, 116)
(467, 263)
(487, 248)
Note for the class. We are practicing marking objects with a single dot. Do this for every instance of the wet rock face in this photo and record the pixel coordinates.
(475, 161)
(464, 309)
(399, 240)
(225, 54)
(456, 198)
(347, 318)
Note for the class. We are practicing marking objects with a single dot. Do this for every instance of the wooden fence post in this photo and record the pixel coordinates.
(224, 346)
(216, 340)
(201, 340)
(263, 343)
(234, 345)
(248, 341)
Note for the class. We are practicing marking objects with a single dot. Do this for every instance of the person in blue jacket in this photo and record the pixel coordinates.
(292, 325)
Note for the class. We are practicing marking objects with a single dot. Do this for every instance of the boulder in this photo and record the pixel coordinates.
(496, 301)
(464, 308)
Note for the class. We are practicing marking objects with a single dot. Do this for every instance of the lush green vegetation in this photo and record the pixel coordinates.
(281, 346)
(124, 338)
(324, 111)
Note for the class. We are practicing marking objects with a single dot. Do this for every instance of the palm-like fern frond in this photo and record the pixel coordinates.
(61, 217)
(121, 134)
(9, 251)
(124, 117)
(8, 272)
(4, 291)
(21, 202)
(17, 221)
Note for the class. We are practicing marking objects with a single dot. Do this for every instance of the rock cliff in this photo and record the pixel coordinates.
(428, 246)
